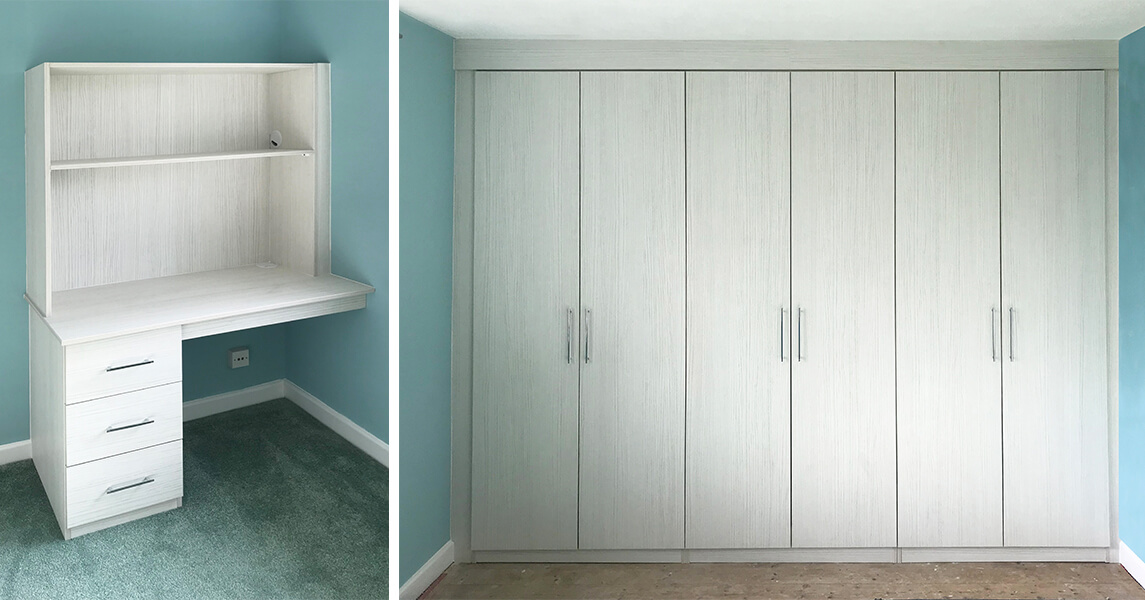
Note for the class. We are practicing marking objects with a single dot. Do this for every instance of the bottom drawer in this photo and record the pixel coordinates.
(119, 484)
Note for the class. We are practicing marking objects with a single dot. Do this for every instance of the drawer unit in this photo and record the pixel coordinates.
(119, 484)
(132, 421)
(123, 364)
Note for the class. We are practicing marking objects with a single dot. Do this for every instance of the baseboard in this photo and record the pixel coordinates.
(1132, 563)
(16, 451)
(428, 573)
(213, 405)
(364, 440)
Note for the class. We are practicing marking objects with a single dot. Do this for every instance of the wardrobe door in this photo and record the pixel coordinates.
(525, 302)
(739, 386)
(842, 288)
(632, 300)
(1054, 419)
(948, 290)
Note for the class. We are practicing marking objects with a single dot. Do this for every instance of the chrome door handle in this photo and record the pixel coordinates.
(1011, 334)
(782, 327)
(587, 336)
(993, 337)
(569, 335)
(146, 480)
(799, 335)
(132, 426)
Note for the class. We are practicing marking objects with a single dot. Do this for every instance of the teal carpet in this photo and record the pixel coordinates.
(275, 505)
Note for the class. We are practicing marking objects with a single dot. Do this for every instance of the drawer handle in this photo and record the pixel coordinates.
(146, 480)
(138, 364)
(132, 426)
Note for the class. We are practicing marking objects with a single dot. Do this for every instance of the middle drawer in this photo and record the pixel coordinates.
(117, 424)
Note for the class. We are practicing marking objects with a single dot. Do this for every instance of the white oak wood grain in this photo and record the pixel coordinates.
(134, 161)
(109, 426)
(843, 389)
(37, 188)
(260, 317)
(1055, 404)
(189, 300)
(632, 280)
(461, 348)
(125, 115)
(292, 214)
(122, 518)
(322, 125)
(98, 68)
(123, 364)
(47, 424)
(525, 261)
(92, 486)
(739, 374)
(109, 226)
(783, 55)
(291, 100)
(1112, 308)
(948, 294)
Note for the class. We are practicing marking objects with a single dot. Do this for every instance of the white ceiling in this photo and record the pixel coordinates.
(782, 19)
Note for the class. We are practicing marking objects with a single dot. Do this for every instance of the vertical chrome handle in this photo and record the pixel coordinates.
(993, 337)
(569, 335)
(782, 327)
(799, 335)
(587, 336)
(1011, 334)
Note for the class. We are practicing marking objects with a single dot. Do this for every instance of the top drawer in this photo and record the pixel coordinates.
(123, 364)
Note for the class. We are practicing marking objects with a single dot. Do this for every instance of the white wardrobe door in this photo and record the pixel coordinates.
(1054, 416)
(632, 295)
(525, 263)
(842, 284)
(739, 386)
(948, 293)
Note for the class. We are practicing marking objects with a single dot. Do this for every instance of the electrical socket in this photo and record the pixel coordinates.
(240, 357)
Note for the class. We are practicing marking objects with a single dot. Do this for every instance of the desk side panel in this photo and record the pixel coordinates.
(46, 375)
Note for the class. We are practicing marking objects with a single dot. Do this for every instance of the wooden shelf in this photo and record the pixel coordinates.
(203, 304)
(168, 159)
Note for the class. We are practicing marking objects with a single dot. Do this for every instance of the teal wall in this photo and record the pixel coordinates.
(344, 359)
(1131, 240)
(426, 101)
(181, 31)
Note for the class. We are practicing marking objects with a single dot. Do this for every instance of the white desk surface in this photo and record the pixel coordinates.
(88, 314)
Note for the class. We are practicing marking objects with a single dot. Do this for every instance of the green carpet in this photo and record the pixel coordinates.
(275, 505)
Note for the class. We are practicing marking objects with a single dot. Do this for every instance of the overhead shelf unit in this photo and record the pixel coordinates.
(164, 202)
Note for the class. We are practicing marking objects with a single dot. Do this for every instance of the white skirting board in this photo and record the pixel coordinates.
(428, 573)
(364, 440)
(16, 451)
(212, 405)
(1132, 563)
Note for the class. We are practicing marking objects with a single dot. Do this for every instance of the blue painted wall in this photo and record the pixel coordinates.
(1131, 239)
(344, 359)
(426, 184)
(185, 31)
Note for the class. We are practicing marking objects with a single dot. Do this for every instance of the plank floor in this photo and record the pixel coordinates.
(986, 581)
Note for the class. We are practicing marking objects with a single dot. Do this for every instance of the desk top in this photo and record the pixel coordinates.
(203, 303)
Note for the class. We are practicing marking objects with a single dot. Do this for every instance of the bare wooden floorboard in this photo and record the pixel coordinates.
(1083, 581)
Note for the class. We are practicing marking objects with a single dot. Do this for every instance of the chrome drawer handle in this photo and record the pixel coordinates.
(138, 364)
(132, 426)
(146, 480)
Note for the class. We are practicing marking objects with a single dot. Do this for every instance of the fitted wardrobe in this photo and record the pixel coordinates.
(760, 314)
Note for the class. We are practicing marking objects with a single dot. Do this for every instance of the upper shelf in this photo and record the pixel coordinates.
(204, 303)
(167, 159)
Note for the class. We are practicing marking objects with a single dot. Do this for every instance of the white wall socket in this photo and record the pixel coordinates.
(240, 357)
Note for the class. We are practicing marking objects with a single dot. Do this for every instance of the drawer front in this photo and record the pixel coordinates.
(119, 484)
(108, 426)
(123, 364)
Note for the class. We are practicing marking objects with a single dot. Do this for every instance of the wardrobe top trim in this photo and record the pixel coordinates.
(639, 55)
(69, 68)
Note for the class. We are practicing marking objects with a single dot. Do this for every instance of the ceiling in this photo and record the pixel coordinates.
(782, 19)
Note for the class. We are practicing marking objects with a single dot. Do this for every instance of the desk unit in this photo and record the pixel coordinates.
(164, 202)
